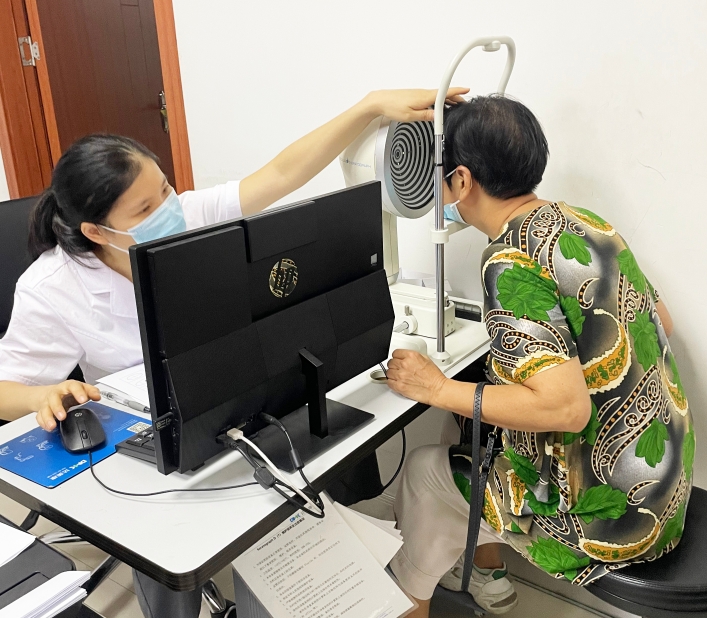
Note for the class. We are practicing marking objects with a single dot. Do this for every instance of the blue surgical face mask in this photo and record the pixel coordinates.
(451, 212)
(167, 219)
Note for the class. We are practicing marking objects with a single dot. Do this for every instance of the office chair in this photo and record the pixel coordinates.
(15, 258)
(674, 586)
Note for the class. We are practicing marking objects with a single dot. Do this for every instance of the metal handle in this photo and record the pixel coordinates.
(163, 112)
(489, 44)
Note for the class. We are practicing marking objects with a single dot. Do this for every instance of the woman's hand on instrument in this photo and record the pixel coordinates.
(416, 377)
(409, 105)
(58, 398)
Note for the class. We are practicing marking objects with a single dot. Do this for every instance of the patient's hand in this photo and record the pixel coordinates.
(415, 376)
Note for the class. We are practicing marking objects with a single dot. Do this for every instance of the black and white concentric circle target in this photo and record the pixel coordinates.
(412, 163)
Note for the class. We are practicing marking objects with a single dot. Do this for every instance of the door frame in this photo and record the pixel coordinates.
(23, 139)
(20, 143)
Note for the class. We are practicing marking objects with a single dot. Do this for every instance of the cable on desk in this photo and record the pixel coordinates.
(164, 491)
(402, 456)
(295, 458)
(269, 476)
(400, 465)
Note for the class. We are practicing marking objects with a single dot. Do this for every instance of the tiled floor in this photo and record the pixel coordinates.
(115, 597)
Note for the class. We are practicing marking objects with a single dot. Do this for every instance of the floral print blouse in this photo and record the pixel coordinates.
(560, 282)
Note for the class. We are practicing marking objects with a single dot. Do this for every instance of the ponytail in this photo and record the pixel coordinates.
(42, 236)
(87, 181)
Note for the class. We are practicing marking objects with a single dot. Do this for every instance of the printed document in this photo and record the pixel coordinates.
(381, 540)
(51, 598)
(13, 542)
(319, 568)
(131, 382)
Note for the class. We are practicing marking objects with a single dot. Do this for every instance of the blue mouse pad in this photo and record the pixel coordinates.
(40, 457)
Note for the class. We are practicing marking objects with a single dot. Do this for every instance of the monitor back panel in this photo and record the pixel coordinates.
(224, 311)
(229, 381)
(191, 289)
(324, 244)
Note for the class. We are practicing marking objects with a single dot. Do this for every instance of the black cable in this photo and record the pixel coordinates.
(316, 498)
(269, 481)
(295, 458)
(276, 422)
(266, 480)
(159, 493)
(243, 450)
(293, 500)
(400, 465)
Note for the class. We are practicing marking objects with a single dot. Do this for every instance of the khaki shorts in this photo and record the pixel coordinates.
(433, 518)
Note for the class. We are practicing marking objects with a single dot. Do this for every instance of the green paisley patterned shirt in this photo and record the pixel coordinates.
(560, 282)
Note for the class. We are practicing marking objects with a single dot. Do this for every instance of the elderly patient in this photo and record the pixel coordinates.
(598, 437)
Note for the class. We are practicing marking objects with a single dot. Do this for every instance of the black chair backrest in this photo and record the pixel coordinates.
(14, 256)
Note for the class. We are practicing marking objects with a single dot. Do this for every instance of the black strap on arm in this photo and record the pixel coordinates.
(478, 490)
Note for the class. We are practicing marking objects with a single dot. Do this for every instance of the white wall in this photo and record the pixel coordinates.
(619, 87)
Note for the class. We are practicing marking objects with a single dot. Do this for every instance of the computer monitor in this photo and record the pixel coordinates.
(262, 314)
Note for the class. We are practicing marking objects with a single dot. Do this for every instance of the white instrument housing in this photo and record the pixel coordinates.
(401, 156)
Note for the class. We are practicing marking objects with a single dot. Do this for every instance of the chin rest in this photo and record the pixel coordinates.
(672, 586)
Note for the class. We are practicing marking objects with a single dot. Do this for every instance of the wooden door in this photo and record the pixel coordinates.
(23, 136)
(102, 72)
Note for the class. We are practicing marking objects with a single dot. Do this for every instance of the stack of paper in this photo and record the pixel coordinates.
(316, 568)
(12, 543)
(51, 598)
(130, 382)
(380, 537)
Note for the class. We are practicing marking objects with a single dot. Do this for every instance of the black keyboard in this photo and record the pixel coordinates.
(140, 446)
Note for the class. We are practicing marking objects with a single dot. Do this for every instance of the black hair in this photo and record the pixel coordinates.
(87, 180)
(500, 141)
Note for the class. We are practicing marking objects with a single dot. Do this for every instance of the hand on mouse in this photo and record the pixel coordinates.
(58, 398)
(415, 376)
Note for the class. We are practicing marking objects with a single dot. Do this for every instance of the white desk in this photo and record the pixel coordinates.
(183, 539)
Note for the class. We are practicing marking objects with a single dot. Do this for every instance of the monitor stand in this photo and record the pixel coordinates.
(315, 427)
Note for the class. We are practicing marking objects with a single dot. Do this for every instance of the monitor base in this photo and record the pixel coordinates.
(343, 421)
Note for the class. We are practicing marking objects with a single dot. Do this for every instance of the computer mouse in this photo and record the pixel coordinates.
(81, 431)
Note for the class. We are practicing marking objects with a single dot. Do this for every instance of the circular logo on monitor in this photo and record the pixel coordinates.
(283, 278)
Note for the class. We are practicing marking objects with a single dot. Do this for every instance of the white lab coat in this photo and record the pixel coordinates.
(67, 312)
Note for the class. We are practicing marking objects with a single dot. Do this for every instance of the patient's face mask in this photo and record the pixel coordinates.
(167, 219)
(451, 212)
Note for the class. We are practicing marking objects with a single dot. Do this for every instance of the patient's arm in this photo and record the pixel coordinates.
(665, 317)
(556, 399)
